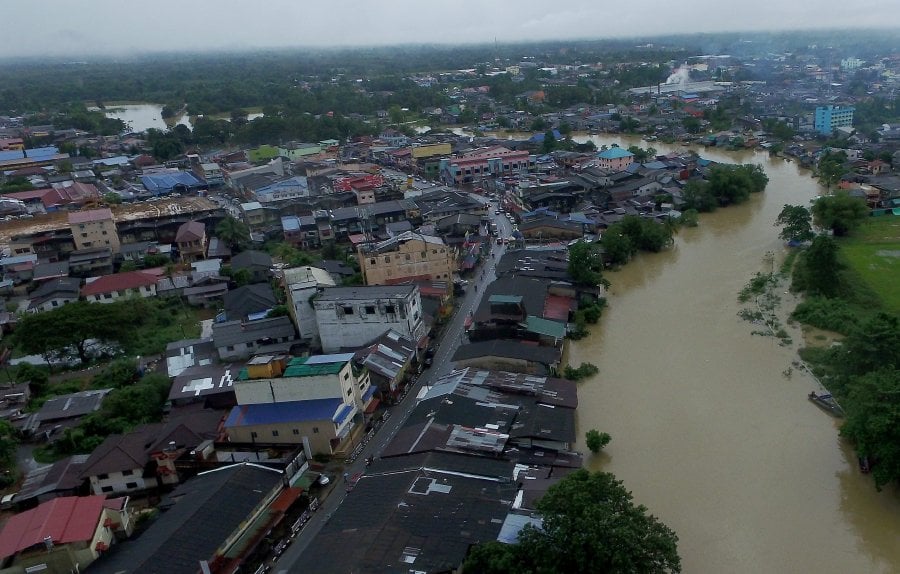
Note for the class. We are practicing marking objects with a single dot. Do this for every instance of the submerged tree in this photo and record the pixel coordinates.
(796, 223)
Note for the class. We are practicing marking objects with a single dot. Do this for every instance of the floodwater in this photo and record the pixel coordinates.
(708, 431)
(143, 116)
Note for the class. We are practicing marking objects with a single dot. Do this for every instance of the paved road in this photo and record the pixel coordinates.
(450, 339)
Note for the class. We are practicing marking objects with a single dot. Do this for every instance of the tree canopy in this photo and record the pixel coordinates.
(69, 328)
(234, 233)
(586, 265)
(818, 270)
(590, 524)
(796, 223)
(734, 183)
(839, 212)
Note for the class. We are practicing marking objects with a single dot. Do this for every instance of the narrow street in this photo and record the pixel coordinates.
(450, 339)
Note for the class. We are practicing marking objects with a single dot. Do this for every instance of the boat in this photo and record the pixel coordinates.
(864, 466)
(827, 403)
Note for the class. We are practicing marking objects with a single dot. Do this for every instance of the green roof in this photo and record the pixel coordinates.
(505, 299)
(545, 327)
(243, 374)
(298, 367)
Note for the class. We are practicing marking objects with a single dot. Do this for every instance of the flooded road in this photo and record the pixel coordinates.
(708, 432)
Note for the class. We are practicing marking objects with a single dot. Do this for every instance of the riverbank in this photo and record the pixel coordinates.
(707, 430)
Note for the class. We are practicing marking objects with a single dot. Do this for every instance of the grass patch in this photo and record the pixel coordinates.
(872, 253)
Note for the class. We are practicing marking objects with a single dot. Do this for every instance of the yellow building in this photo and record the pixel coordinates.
(94, 228)
(407, 257)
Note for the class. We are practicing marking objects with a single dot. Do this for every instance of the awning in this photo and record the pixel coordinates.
(372, 406)
(284, 501)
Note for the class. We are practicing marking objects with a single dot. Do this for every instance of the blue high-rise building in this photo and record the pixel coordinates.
(829, 118)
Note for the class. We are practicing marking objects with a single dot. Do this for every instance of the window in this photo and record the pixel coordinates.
(434, 251)
(130, 485)
(274, 433)
(370, 310)
(103, 476)
(253, 434)
(390, 309)
(84, 234)
(315, 430)
(349, 391)
(229, 348)
(372, 261)
(104, 232)
(346, 376)
(424, 254)
(107, 295)
(127, 472)
(54, 303)
(296, 431)
(408, 257)
(106, 489)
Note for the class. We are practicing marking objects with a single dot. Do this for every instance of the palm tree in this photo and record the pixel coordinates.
(233, 232)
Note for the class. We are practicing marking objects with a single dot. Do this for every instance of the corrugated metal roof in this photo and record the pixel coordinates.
(291, 411)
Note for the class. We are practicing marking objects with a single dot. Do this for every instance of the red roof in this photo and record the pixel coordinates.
(90, 215)
(63, 520)
(119, 282)
(30, 194)
(557, 307)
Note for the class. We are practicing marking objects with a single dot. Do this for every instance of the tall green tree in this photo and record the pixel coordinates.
(818, 271)
(696, 195)
(590, 524)
(586, 265)
(796, 223)
(70, 329)
(233, 232)
(872, 422)
(839, 212)
(832, 165)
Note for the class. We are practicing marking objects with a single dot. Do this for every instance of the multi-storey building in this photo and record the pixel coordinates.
(485, 162)
(315, 401)
(407, 257)
(829, 118)
(615, 158)
(94, 228)
(351, 317)
(301, 284)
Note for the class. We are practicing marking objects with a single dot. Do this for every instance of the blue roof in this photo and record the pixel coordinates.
(287, 184)
(342, 414)
(166, 182)
(369, 392)
(539, 137)
(290, 223)
(655, 165)
(37, 153)
(42, 152)
(704, 162)
(291, 411)
(614, 153)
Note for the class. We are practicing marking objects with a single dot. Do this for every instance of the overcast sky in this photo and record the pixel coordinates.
(66, 27)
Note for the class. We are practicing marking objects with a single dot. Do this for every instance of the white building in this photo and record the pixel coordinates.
(351, 317)
(309, 379)
(300, 284)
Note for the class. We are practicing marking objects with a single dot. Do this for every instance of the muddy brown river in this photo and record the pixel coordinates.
(707, 431)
